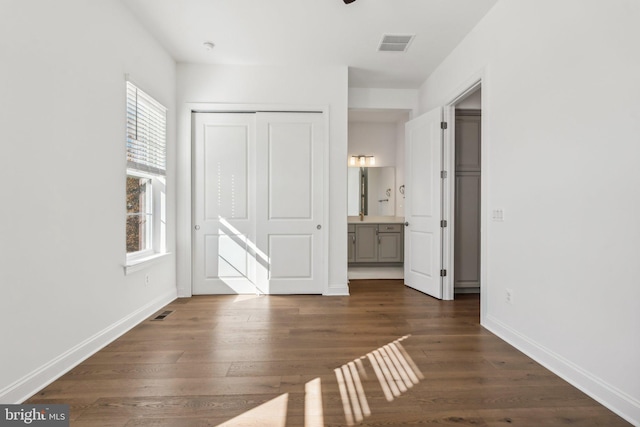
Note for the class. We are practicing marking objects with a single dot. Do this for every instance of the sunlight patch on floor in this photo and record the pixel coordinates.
(270, 414)
(246, 297)
(394, 368)
(313, 413)
(396, 373)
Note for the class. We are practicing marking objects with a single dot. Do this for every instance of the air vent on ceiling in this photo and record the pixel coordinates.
(395, 43)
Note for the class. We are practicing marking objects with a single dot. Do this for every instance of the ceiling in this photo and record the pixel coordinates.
(314, 32)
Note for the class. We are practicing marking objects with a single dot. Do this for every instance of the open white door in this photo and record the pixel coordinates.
(423, 204)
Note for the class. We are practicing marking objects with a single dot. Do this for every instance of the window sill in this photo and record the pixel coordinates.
(142, 263)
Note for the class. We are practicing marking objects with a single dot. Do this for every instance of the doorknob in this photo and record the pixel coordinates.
(318, 226)
(406, 224)
(197, 227)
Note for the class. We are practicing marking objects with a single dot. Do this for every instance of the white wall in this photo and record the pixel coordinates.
(62, 180)
(561, 115)
(373, 139)
(304, 87)
(379, 98)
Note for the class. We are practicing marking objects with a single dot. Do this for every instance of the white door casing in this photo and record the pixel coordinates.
(423, 203)
(290, 191)
(258, 202)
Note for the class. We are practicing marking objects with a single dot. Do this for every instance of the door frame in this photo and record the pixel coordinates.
(185, 168)
(476, 81)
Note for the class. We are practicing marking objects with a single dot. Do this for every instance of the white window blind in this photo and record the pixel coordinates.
(146, 132)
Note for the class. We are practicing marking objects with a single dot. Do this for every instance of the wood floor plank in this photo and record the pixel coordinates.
(76, 407)
(550, 417)
(132, 387)
(96, 371)
(175, 406)
(385, 356)
(121, 357)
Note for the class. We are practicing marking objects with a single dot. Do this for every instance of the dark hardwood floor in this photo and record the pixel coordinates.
(385, 356)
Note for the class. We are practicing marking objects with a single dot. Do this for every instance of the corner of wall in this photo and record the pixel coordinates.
(39, 378)
(621, 403)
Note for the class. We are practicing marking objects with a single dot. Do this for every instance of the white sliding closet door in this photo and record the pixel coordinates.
(258, 203)
(224, 203)
(290, 202)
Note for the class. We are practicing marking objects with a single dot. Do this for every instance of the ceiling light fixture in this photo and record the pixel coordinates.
(208, 45)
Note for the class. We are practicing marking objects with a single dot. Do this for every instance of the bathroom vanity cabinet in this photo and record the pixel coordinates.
(376, 243)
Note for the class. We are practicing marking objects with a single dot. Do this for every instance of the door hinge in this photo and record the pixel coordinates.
(443, 223)
(443, 174)
(443, 125)
(443, 273)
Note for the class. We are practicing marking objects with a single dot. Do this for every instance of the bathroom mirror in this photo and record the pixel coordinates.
(371, 191)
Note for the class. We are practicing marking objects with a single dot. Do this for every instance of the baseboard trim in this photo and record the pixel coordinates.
(356, 272)
(337, 290)
(616, 400)
(466, 291)
(184, 292)
(31, 383)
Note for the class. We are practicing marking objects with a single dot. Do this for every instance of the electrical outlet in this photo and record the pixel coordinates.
(508, 296)
(146, 280)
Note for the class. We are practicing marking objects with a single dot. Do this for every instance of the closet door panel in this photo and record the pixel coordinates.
(226, 186)
(290, 171)
(291, 256)
(290, 202)
(223, 209)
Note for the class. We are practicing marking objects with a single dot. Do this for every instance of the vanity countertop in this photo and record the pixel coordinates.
(376, 220)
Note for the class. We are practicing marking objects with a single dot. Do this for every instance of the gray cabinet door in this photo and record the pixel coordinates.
(373, 243)
(390, 247)
(352, 246)
(367, 243)
(467, 231)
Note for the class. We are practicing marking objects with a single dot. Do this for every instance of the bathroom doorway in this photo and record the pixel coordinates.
(375, 196)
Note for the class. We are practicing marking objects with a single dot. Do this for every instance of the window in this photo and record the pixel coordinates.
(146, 176)
(139, 213)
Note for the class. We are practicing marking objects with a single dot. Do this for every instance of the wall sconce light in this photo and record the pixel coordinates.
(362, 160)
